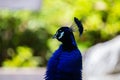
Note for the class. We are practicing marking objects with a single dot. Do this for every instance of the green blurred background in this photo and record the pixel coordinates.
(26, 36)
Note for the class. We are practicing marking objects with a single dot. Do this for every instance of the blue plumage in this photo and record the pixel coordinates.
(66, 61)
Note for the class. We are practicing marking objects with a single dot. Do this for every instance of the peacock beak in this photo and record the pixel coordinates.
(54, 36)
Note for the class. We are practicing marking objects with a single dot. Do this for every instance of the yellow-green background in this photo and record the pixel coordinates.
(26, 36)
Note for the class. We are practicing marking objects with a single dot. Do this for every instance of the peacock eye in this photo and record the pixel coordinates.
(61, 35)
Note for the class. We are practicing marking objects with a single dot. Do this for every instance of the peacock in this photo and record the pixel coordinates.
(66, 61)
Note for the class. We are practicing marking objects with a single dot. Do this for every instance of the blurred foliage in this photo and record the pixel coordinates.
(23, 57)
(25, 36)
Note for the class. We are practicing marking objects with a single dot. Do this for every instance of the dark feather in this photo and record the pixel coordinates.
(79, 24)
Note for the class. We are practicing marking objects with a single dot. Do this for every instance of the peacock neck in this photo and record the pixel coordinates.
(69, 43)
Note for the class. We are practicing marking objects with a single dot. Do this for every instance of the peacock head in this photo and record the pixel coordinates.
(62, 33)
(66, 33)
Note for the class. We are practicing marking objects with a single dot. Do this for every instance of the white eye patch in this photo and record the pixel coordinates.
(61, 35)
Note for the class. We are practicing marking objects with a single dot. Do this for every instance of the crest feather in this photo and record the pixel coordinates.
(79, 25)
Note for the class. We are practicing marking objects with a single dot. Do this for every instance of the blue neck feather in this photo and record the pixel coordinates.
(69, 43)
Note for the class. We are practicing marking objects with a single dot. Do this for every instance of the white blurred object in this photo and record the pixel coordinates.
(20, 4)
(102, 61)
